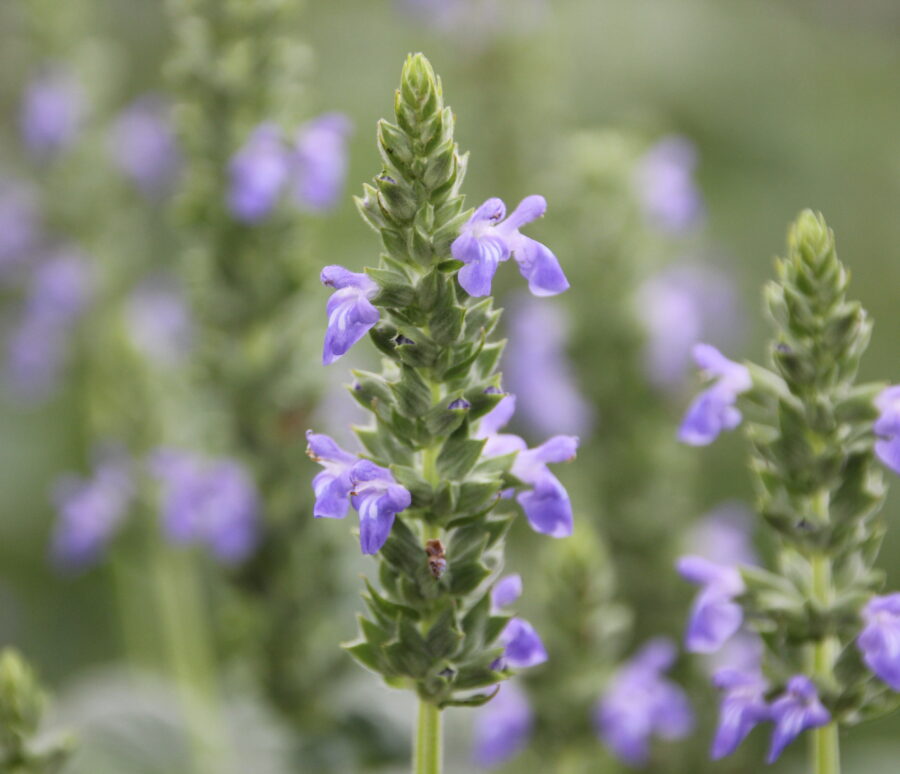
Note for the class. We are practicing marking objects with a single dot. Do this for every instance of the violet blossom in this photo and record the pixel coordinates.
(487, 239)
(743, 707)
(350, 311)
(20, 225)
(715, 616)
(879, 641)
(723, 535)
(665, 183)
(51, 113)
(502, 727)
(887, 427)
(797, 710)
(143, 145)
(258, 172)
(320, 161)
(523, 645)
(159, 322)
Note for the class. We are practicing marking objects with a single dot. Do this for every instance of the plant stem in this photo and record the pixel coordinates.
(428, 740)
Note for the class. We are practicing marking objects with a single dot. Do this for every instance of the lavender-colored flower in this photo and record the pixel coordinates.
(487, 239)
(523, 645)
(502, 726)
(209, 501)
(51, 113)
(715, 616)
(713, 410)
(320, 160)
(723, 535)
(89, 511)
(538, 332)
(143, 146)
(879, 640)
(743, 707)
(887, 427)
(159, 323)
(546, 505)
(350, 311)
(665, 183)
(640, 704)
(797, 710)
(259, 171)
(20, 226)
(507, 590)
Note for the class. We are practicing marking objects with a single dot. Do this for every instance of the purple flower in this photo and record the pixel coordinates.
(347, 480)
(350, 311)
(507, 590)
(487, 239)
(321, 161)
(640, 704)
(210, 501)
(502, 726)
(797, 710)
(538, 331)
(51, 113)
(742, 708)
(143, 146)
(523, 645)
(666, 187)
(20, 225)
(546, 504)
(887, 427)
(879, 640)
(259, 171)
(713, 410)
(723, 535)
(159, 323)
(715, 616)
(89, 511)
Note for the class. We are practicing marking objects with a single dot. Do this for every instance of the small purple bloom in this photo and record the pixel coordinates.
(143, 146)
(724, 535)
(159, 323)
(742, 708)
(538, 331)
(666, 186)
(210, 501)
(797, 710)
(502, 726)
(259, 171)
(89, 511)
(333, 485)
(350, 311)
(487, 239)
(507, 590)
(320, 159)
(20, 225)
(51, 113)
(523, 645)
(887, 427)
(879, 640)
(715, 616)
(713, 410)
(640, 704)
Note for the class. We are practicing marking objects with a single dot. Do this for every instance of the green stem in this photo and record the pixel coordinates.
(428, 739)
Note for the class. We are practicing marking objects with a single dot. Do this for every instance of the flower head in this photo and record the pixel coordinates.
(713, 410)
(887, 427)
(724, 535)
(743, 706)
(143, 146)
(350, 311)
(320, 159)
(640, 704)
(159, 322)
(51, 113)
(507, 590)
(879, 640)
(715, 616)
(797, 710)
(258, 172)
(666, 186)
(487, 239)
(502, 726)
(523, 645)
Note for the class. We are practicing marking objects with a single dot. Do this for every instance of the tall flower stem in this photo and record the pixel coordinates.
(428, 739)
(826, 757)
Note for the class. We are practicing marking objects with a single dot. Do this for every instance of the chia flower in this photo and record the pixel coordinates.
(887, 427)
(713, 410)
(89, 511)
(209, 501)
(640, 704)
(723, 535)
(19, 225)
(159, 322)
(320, 159)
(503, 726)
(51, 113)
(797, 710)
(350, 311)
(347, 480)
(538, 331)
(507, 590)
(258, 171)
(665, 184)
(546, 505)
(487, 239)
(143, 146)
(715, 616)
(879, 640)
(743, 706)
(523, 645)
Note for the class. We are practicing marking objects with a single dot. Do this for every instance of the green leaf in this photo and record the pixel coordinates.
(463, 579)
(413, 394)
(443, 638)
(459, 455)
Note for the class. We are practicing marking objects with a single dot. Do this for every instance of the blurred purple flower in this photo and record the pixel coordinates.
(502, 726)
(523, 645)
(487, 239)
(476, 22)
(51, 112)
(159, 322)
(143, 146)
(259, 171)
(89, 511)
(743, 706)
(879, 641)
(20, 225)
(666, 187)
(887, 427)
(724, 535)
(713, 410)
(320, 159)
(680, 306)
(210, 501)
(640, 704)
(797, 710)
(538, 331)
(507, 590)
(715, 616)
(350, 311)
